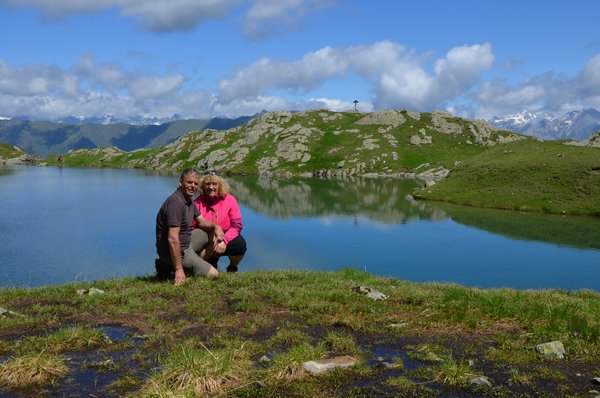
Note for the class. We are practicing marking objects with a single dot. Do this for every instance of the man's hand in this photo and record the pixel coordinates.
(179, 277)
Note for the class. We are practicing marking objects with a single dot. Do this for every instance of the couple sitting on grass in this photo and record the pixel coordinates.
(191, 235)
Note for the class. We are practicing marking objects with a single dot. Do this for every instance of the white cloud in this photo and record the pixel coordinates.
(174, 15)
(265, 17)
(590, 77)
(396, 77)
(92, 89)
(300, 76)
(261, 17)
(105, 75)
(547, 92)
(337, 105)
(34, 80)
(152, 87)
(402, 81)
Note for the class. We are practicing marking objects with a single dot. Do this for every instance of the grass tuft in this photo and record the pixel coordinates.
(192, 368)
(32, 370)
(453, 373)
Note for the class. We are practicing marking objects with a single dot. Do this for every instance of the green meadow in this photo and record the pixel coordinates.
(248, 334)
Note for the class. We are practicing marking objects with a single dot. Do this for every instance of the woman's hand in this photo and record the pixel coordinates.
(220, 247)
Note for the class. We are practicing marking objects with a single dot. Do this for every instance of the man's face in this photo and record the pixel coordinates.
(189, 185)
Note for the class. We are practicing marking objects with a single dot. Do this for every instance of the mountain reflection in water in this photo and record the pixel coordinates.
(385, 201)
(379, 200)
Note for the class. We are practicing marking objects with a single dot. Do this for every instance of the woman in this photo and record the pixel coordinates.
(217, 205)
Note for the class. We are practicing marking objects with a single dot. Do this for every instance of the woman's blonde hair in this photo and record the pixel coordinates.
(223, 186)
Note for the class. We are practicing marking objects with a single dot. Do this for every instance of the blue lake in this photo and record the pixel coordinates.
(63, 224)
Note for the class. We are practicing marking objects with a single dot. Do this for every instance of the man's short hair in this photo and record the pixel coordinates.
(185, 173)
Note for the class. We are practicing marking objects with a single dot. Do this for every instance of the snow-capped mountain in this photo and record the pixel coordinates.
(111, 119)
(575, 125)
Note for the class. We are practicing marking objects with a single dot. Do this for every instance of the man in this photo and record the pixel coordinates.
(177, 245)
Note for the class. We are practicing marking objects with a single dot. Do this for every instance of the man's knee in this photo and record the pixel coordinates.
(213, 272)
(199, 240)
(194, 264)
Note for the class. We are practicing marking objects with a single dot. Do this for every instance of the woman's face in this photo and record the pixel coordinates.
(210, 187)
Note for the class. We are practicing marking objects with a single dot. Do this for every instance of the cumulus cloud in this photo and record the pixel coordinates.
(34, 80)
(394, 75)
(260, 17)
(153, 87)
(153, 15)
(266, 74)
(402, 80)
(590, 77)
(91, 88)
(104, 75)
(265, 17)
(547, 92)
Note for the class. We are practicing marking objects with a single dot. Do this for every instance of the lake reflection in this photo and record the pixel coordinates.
(62, 225)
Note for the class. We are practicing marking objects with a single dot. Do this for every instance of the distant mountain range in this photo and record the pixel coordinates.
(575, 125)
(50, 138)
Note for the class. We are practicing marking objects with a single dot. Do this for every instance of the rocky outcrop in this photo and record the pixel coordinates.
(443, 125)
(314, 143)
(591, 141)
(421, 139)
(14, 155)
(388, 118)
(432, 176)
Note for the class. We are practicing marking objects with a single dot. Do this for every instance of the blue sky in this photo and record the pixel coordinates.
(205, 58)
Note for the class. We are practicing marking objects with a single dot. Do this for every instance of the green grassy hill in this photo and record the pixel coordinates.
(487, 167)
(528, 175)
(9, 152)
(285, 143)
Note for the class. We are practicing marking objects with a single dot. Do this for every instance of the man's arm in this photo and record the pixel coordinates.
(208, 226)
(175, 250)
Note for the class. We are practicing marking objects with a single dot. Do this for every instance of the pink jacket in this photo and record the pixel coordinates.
(223, 211)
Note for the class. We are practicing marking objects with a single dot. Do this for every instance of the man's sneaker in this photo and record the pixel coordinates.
(163, 270)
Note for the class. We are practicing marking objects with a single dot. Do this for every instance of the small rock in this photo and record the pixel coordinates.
(399, 325)
(554, 348)
(431, 357)
(370, 292)
(4, 313)
(481, 381)
(89, 292)
(264, 359)
(323, 365)
(596, 380)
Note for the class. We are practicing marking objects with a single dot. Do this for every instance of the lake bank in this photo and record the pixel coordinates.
(248, 335)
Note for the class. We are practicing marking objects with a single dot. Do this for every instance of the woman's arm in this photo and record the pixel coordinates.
(235, 219)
